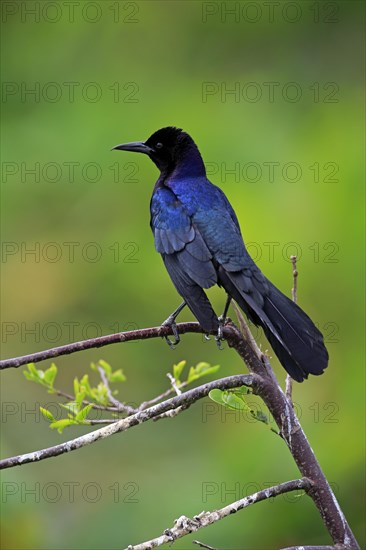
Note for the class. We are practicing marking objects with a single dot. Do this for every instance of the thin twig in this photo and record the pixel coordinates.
(183, 401)
(121, 407)
(294, 299)
(295, 275)
(173, 382)
(163, 395)
(185, 526)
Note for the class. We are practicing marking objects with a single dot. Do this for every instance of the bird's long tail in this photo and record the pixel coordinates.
(296, 341)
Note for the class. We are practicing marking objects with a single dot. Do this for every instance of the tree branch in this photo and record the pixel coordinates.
(336, 547)
(263, 383)
(292, 432)
(101, 341)
(294, 299)
(182, 401)
(185, 526)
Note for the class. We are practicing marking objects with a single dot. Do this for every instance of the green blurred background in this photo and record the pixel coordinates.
(109, 72)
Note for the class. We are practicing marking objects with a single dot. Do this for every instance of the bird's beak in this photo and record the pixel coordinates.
(135, 146)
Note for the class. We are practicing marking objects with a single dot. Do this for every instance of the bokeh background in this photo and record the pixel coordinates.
(291, 133)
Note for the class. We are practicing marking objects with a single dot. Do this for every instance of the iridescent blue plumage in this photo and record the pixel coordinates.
(198, 235)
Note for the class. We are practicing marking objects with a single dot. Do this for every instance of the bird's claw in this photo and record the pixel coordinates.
(220, 333)
(172, 324)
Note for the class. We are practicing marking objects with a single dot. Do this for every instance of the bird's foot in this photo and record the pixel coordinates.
(170, 322)
(220, 332)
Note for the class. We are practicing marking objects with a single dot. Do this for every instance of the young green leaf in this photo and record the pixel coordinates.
(201, 369)
(177, 370)
(234, 402)
(79, 398)
(33, 374)
(85, 385)
(50, 375)
(60, 425)
(72, 407)
(82, 414)
(117, 376)
(47, 414)
(217, 396)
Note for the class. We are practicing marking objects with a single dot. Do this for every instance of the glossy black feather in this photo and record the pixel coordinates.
(198, 235)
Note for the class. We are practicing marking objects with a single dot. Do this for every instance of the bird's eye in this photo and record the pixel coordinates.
(159, 145)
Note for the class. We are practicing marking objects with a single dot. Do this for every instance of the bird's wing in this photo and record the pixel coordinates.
(216, 221)
(175, 234)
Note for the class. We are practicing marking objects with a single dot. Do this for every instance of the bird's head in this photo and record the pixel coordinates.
(167, 148)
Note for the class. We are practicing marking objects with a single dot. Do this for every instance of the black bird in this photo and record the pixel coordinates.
(198, 235)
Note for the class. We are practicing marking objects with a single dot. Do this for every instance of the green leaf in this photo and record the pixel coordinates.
(192, 375)
(243, 390)
(32, 369)
(201, 369)
(72, 407)
(201, 366)
(33, 374)
(50, 375)
(30, 376)
(228, 399)
(79, 398)
(178, 369)
(76, 386)
(217, 396)
(82, 414)
(47, 414)
(117, 376)
(234, 402)
(93, 366)
(100, 394)
(85, 385)
(60, 425)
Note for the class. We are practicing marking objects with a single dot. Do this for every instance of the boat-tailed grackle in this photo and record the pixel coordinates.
(198, 235)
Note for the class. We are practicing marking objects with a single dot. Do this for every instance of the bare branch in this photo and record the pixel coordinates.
(120, 407)
(177, 390)
(160, 397)
(133, 335)
(295, 275)
(185, 526)
(294, 299)
(182, 401)
(202, 545)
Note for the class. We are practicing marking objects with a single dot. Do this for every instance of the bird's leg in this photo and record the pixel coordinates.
(170, 322)
(222, 321)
